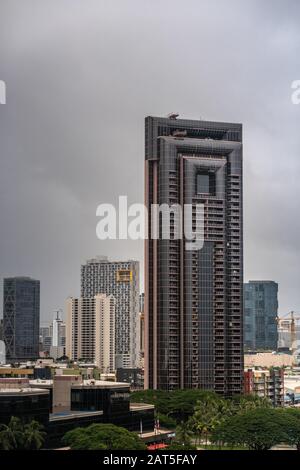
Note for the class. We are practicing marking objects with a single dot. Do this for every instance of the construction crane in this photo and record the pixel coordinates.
(290, 320)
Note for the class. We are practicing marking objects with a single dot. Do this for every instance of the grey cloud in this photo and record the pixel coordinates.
(81, 76)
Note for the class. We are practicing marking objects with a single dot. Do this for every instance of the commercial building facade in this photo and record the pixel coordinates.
(120, 279)
(25, 403)
(194, 298)
(134, 377)
(69, 402)
(45, 339)
(21, 318)
(90, 329)
(260, 315)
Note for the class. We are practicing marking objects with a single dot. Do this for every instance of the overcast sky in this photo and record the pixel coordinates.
(81, 75)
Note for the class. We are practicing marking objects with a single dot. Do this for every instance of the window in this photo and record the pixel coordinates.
(206, 183)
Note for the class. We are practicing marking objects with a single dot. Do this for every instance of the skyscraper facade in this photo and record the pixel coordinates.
(142, 329)
(90, 329)
(21, 318)
(260, 315)
(194, 297)
(45, 339)
(58, 333)
(120, 279)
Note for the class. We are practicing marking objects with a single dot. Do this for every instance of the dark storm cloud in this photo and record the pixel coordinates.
(81, 76)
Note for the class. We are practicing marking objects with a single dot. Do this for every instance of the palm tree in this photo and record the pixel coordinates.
(251, 402)
(184, 433)
(34, 436)
(208, 414)
(11, 434)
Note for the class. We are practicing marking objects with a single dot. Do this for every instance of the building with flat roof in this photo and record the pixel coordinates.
(265, 383)
(268, 359)
(91, 330)
(194, 294)
(121, 280)
(260, 315)
(21, 318)
(25, 403)
(67, 402)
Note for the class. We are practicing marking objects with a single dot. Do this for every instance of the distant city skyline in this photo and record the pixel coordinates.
(78, 87)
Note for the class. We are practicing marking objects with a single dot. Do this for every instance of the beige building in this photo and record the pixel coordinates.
(62, 385)
(90, 330)
(268, 359)
(120, 279)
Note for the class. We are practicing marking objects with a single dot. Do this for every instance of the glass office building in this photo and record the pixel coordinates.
(26, 404)
(194, 298)
(21, 318)
(260, 315)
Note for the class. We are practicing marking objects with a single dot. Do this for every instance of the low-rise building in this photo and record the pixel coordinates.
(265, 383)
(292, 387)
(25, 403)
(17, 372)
(68, 402)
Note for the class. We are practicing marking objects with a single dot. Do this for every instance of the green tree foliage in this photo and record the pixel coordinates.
(34, 436)
(16, 435)
(293, 431)
(209, 416)
(258, 429)
(178, 404)
(101, 437)
(241, 403)
(209, 413)
(183, 440)
(11, 434)
(184, 433)
(166, 421)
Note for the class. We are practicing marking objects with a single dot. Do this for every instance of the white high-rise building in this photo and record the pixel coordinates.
(90, 330)
(53, 337)
(58, 333)
(120, 279)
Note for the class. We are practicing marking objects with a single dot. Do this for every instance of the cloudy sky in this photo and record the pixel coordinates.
(81, 75)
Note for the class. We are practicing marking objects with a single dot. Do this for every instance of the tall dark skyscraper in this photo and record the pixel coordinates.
(260, 315)
(194, 299)
(21, 318)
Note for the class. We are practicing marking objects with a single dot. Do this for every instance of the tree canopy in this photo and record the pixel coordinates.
(102, 437)
(18, 436)
(177, 404)
(258, 429)
(294, 431)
